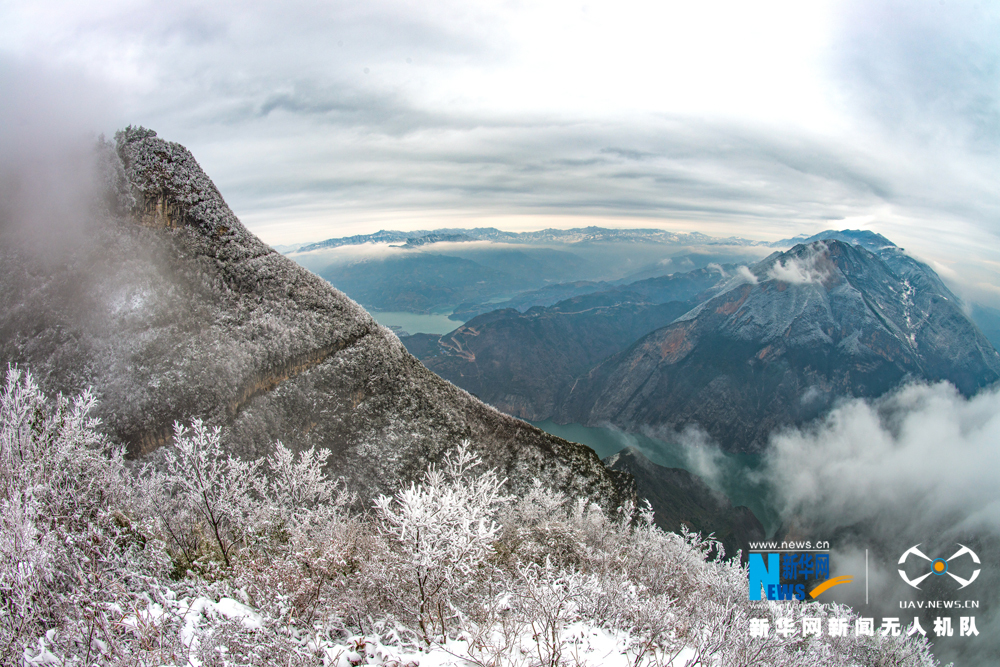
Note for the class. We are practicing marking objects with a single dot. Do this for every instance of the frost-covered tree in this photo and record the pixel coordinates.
(298, 490)
(306, 543)
(447, 571)
(72, 553)
(207, 492)
(443, 530)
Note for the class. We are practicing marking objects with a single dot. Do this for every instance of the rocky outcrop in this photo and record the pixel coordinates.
(173, 310)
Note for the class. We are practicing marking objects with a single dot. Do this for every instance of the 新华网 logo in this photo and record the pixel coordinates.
(795, 569)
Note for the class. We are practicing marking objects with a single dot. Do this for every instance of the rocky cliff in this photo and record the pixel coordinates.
(171, 309)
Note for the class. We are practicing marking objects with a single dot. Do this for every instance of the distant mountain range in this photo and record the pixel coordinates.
(862, 237)
(770, 345)
(568, 236)
(467, 272)
(639, 287)
(577, 235)
(422, 282)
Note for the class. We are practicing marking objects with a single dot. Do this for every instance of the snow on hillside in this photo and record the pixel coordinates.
(200, 558)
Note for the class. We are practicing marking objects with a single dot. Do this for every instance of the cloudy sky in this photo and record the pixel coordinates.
(764, 120)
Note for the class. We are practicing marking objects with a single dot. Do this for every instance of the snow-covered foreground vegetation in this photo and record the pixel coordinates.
(204, 559)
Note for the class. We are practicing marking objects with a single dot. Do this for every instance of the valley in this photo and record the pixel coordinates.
(709, 348)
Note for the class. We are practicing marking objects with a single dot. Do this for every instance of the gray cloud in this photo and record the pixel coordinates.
(47, 150)
(812, 268)
(276, 103)
(628, 153)
(923, 451)
(926, 69)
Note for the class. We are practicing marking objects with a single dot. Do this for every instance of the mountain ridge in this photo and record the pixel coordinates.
(822, 320)
(172, 310)
(525, 363)
(575, 235)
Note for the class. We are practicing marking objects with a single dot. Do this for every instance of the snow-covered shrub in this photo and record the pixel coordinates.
(307, 543)
(208, 496)
(448, 571)
(441, 532)
(298, 487)
(73, 557)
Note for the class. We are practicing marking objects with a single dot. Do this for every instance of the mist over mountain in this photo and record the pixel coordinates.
(658, 282)
(915, 466)
(679, 497)
(172, 310)
(420, 282)
(461, 273)
(565, 236)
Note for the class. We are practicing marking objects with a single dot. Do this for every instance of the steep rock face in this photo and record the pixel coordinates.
(172, 310)
(679, 497)
(822, 320)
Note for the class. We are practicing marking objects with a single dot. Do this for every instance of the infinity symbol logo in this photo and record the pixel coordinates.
(939, 566)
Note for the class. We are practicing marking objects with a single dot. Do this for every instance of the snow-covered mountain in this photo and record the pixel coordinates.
(751, 348)
(172, 310)
(820, 321)
(545, 236)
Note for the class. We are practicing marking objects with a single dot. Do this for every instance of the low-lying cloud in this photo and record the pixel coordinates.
(746, 275)
(875, 477)
(48, 138)
(918, 466)
(922, 451)
(811, 268)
